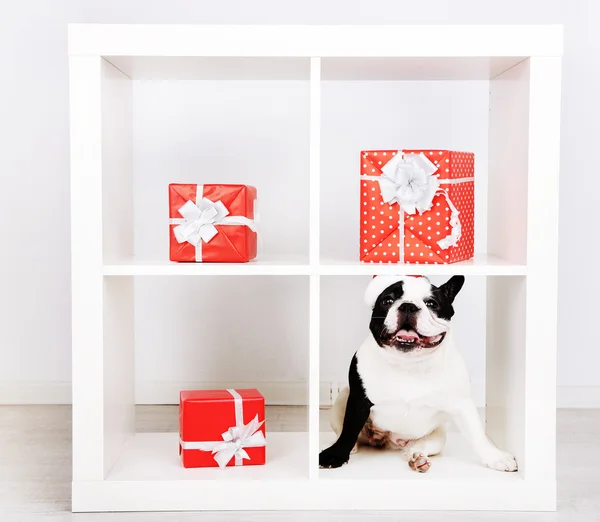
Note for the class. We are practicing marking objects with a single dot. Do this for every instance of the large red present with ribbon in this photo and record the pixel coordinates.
(212, 223)
(222, 428)
(417, 206)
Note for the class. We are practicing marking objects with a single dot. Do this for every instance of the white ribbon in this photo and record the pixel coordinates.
(235, 439)
(455, 226)
(407, 179)
(199, 220)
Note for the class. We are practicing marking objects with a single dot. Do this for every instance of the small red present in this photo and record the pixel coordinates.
(417, 206)
(212, 223)
(221, 428)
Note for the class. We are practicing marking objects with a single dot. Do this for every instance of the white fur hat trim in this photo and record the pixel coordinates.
(378, 284)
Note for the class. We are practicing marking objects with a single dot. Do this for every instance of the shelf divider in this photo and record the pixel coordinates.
(86, 268)
(542, 260)
(315, 297)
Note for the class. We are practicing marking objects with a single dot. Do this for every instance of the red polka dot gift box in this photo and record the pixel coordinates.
(417, 206)
(212, 223)
(222, 428)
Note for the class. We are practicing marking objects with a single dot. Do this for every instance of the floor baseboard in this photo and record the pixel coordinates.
(32, 392)
(290, 393)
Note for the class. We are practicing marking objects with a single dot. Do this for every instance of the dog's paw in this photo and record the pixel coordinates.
(419, 462)
(501, 461)
(333, 458)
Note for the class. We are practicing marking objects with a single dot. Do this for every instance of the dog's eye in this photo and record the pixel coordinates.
(387, 301)
(430, 303)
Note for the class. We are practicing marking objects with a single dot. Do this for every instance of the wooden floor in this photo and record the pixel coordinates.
(35, 471)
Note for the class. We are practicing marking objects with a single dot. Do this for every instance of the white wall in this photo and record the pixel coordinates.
(34, 270)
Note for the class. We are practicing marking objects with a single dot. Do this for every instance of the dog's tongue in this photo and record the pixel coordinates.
(407, 335)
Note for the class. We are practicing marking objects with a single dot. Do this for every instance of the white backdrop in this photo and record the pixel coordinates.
(34, 209)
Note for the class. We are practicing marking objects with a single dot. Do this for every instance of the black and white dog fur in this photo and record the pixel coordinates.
(407, 381)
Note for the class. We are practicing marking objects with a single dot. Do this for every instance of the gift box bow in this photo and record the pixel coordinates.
(235, 439)
(408, 179)
(199, 220)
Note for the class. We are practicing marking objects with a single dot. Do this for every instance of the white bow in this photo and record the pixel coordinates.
(199, 221)
(408, 179)
(235, 439)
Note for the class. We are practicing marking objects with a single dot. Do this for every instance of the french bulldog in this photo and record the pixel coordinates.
(407, 381)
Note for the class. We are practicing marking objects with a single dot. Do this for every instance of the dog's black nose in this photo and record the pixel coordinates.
(409, 308)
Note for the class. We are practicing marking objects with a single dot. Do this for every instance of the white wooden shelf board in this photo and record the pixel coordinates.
(320, 40)
(416, 69)
(267, 266)
(154, 456)
(456, 463)
(149, 476)
(484, 265)
(333, 69)
(211, 68)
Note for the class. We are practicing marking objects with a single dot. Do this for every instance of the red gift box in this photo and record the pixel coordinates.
(417, 206)
(212, 223)
(221, 428)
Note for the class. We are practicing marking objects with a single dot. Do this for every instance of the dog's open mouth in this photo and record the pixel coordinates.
(408, 339)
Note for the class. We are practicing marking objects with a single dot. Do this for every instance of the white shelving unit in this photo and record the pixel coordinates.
(115, 469)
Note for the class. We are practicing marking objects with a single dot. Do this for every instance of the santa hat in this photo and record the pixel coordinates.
(379, 283)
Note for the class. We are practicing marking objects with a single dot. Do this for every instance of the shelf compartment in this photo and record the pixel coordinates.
(250, 132)
(484, 114)
(489, 331)
(175, 331)
(157, 132)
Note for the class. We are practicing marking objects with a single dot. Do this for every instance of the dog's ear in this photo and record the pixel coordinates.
(451, 287)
